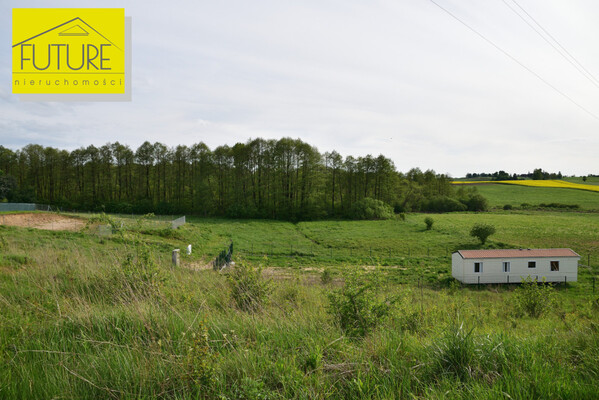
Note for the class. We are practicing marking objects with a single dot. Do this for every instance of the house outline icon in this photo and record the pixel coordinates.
(67, 35)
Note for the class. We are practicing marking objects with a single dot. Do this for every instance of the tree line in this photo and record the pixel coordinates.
(537, 174)
(280, 179)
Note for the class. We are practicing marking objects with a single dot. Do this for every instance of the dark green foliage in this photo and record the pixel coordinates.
(534, 298)
(8, 184)
(428, 221)
(560, 205)
(507, 207)
(442, 204)
(249, 289)
(482, 231)
(477, 202)
(355, 307)
(285, 179)
(371, 209)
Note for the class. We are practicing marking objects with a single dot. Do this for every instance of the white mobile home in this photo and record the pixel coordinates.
(512, 265)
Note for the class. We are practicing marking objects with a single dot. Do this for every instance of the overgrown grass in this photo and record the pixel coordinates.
(83, 316)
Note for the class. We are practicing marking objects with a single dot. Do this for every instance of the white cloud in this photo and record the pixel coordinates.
(399, 78)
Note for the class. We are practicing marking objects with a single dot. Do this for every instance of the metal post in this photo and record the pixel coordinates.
(565, 282)
(479, 282)
(508, 279)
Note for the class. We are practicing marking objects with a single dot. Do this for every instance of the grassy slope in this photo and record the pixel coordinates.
(72, 325)
(499, 195)
(591, 180)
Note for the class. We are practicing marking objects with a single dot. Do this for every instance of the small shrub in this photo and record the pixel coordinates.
(355, 306)
(249, 289)
(507, 207)
(429, 223)
(326, 277)
(199, 361)
(482, 231)
(141, 271)
(402, 216)
(534, 298)
(477, 202)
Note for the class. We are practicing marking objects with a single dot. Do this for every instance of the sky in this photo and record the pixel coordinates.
(400, 78)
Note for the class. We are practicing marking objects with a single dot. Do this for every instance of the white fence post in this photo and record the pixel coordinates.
(176, 257)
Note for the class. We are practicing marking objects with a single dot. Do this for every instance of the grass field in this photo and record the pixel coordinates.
(500, 195)
(87, 316)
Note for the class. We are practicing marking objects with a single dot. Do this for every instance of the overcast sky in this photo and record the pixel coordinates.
(400, 78)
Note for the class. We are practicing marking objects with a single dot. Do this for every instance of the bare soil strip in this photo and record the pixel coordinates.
(47, 221)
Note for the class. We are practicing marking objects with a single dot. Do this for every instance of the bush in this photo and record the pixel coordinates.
(477, 202)
(507, 207)
(249, 289)
(141, 272)
(442, 204)
(534, 298)
(355, 306)
(326, 277)
(429, 223)
(482, 231)
(369, 208)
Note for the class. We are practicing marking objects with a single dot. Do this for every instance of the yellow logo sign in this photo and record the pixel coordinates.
(68, 50)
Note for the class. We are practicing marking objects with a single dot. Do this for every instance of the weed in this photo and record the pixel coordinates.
(533, 298)
(249, 289)
(326, 276)
(200, 361)
(355, 306)
(141, 271)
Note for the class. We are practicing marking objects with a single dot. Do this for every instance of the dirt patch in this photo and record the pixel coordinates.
(197, 266)
(47, 221)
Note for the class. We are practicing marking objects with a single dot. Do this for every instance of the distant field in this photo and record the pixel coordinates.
(550, 183)
(591, 180)
(499, 195)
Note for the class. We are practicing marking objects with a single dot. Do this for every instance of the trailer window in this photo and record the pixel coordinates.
(478, 267)
(532, 264)
(506, 266)
(555, 265)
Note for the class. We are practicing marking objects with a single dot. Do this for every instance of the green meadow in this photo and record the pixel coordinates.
(499, 195)
(110, 317)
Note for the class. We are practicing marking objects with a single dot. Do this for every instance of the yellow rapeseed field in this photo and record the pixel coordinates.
(554, 183)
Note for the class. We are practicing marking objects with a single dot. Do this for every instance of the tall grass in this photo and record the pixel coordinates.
(84, 317)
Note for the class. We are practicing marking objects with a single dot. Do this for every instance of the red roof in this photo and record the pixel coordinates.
(517, 253)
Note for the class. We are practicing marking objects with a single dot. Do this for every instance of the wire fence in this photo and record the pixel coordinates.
(223, 259)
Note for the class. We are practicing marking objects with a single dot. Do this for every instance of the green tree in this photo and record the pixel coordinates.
(429, 223)
(482, 231)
